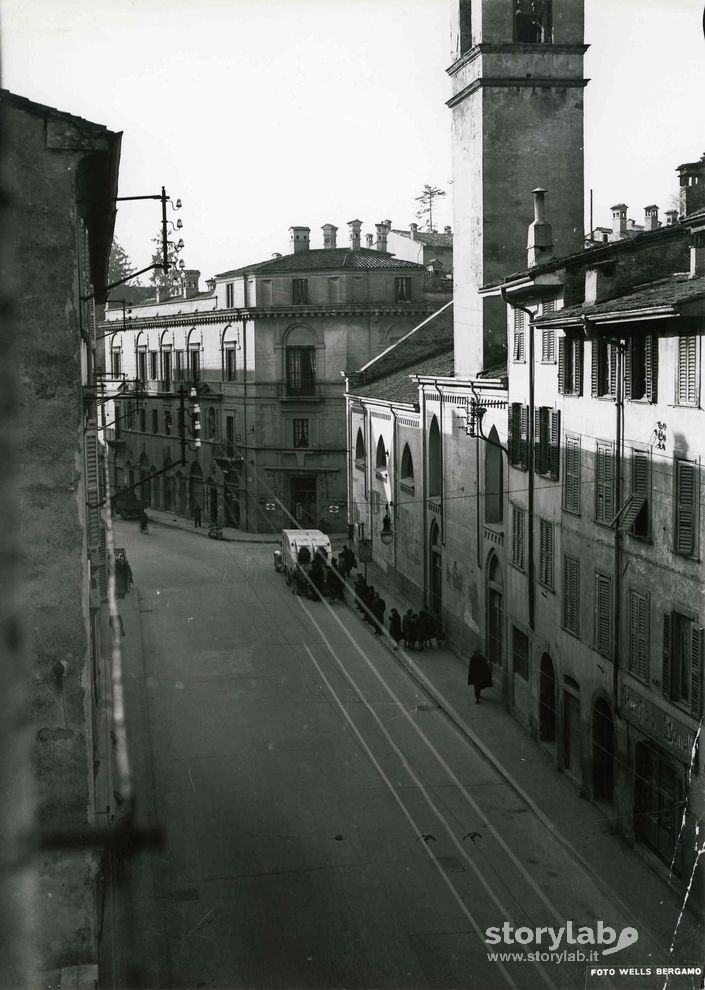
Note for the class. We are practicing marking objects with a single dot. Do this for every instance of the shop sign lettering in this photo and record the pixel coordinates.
(657, 723)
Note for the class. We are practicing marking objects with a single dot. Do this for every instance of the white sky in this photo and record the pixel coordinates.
(260, 114)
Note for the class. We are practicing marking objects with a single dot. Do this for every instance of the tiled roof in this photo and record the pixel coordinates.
(324, 260)
(400, 387)
(597, 253)
(22, 103)
(674, 290)
(428, 237)
(425, 350)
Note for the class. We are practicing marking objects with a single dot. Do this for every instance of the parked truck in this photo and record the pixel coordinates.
(298, 547)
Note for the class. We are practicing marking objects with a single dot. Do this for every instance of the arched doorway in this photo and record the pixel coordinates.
(602, 752)
(195, 487)
(212, 500)
(547, 700)
(436, 574)
(495, 611)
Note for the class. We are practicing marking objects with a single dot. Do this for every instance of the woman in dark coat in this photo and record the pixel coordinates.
(395, 627)
(479, 674)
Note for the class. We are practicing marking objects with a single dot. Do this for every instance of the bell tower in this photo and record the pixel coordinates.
(517, 106)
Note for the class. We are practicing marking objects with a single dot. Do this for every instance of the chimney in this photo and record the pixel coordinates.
(329, 232)
(368, 240)
(413, 227)
(600, 283)
(692, 186)
(298, 239)
(190, 283)
(539, 244)
(381, 229)
(448, 231)
(619, 220)
(354, 226)
(651, 218)
(210, 282)
(697, 251)
(671, 217)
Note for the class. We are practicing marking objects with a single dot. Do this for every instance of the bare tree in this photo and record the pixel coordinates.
(427, 198)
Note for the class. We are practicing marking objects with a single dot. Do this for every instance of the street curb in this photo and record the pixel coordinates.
(204, 532)
(430, 689)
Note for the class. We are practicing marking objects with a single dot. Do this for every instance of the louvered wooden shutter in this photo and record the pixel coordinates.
(640, 473)
(570, 594)
(696, 680)
(92, 488)
(577, 351)
(666, 672)
(686, 370)
(518, 537)
(611, 356)
(651, 368)
(546, 553)
(510, 432)
(524, 441)
(602, 615)
(628, 369)
(561, 366)
(685, 508)
(514, 432)
(572, 475)
(554, 459)
(595, 370)
(605, 485)
(639, 635)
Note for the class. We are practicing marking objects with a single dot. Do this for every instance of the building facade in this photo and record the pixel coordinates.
(62, 176)
(262, 353)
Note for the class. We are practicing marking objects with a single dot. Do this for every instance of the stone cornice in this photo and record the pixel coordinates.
(513, 48)
(239, 315)
(506, 82)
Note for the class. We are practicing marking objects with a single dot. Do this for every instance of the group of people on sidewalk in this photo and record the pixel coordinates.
(414, 629)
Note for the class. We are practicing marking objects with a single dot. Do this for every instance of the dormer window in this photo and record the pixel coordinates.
(533, 23)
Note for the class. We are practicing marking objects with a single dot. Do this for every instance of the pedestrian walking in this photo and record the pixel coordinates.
(197, 516)
(144, 522)
(378, 608)
(360, 588)
(395, 627)
(479, 674)
(426, 628)
(348, 560)
(407, 630)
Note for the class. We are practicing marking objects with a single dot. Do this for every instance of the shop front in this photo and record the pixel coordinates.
(664, 757)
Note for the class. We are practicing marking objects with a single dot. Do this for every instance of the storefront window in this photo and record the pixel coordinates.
(658, 804)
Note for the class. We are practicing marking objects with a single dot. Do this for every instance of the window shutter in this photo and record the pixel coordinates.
(572, 475)
(685, 508)
(605, 485)
(602, 615)
(612, 363)
(595, 367)
(92, 487)
(577, 348)
(554, 460)
(628, 369)
(640, 473)
(546, 553)
(561, 366)
(510, 432)
(639, 635)
(651, 368)
(570, 594)
(666, 673)
(514, 432)
(524, 441)
(538, 413)
(696, 661)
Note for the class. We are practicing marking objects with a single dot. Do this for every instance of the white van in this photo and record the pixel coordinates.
(294, 541)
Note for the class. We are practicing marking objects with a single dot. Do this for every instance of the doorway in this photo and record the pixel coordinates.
(495, 611)
(602, 752)
(571, 730)
(212, 503)
(303, 502)
(231, 499)
(547, 700)
(436, 588)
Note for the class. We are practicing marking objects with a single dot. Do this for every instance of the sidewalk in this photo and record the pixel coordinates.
(529, 768)
(159, 518)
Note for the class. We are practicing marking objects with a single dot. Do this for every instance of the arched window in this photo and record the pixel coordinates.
(381, 458)
(359, 449)
(407, 466)
(494, 495)
(212, 425)
(435, 461)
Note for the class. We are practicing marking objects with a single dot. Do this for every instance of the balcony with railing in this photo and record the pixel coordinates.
(227, 454)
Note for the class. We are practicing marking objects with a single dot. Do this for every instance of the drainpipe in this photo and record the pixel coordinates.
(394, 492)
(424, 493)
(530, 461)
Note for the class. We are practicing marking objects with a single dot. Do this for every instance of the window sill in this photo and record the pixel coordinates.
(571, 512)
(360, 465)
(381, 475)
(407, 488)
(575, 635)
(516, 567)
(571, 395)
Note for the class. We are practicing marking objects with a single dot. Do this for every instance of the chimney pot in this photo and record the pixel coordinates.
(697, 252)
(671, 217)
(329, 236)
(381, 229)
(692, 186)
(354, 227)
(368, 240)
(448, 230)
(539, 244)
(651, 217)
(619, 220)
(413, 227)
(298, 239)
